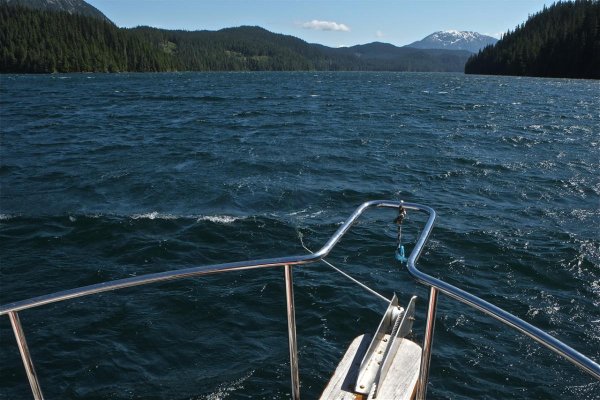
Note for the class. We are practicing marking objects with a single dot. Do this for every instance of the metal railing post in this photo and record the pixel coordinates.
(291, 317)
(427, 342)
(25, 356)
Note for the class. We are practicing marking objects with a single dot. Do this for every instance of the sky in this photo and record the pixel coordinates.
(333, 23)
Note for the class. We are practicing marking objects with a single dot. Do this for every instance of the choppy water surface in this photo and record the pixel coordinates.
(111, 176)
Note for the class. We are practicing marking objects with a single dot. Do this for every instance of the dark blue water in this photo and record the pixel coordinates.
(111, 176)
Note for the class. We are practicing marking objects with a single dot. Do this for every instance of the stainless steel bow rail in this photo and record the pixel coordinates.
(287, 263)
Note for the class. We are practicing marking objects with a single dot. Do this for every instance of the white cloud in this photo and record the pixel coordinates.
(379, 34)
(325, 26)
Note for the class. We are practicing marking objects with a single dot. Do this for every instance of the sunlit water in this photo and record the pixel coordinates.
(111, 176)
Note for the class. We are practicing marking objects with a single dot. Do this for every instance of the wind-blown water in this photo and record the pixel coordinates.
(111, 176)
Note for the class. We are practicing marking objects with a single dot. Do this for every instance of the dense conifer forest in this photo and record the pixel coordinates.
(43, 41)
(562, 40)
(46, 41)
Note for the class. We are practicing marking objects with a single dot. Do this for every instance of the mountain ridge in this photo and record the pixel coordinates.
(42, 41)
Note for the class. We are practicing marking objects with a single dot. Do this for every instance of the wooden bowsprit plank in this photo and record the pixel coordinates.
(399, 383)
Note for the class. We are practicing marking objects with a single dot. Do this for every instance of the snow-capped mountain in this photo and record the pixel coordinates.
(454, 40)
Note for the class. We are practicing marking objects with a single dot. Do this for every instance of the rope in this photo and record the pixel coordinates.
(399, 219)
(345, 274)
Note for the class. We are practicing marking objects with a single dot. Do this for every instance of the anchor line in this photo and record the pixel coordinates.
(372, 291)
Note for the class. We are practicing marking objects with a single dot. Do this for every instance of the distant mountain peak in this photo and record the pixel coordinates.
(454, 40)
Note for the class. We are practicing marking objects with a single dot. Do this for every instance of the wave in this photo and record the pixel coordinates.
(219, 219)
(154, 215)
(305, 214)
(225, 389)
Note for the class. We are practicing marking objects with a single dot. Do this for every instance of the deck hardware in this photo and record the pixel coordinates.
(402, 327)
(377, 360)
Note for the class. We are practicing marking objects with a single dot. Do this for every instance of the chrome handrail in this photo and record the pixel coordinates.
(547, 340)
(436, 285)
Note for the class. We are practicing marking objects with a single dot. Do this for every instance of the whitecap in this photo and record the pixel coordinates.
(304, 214)
(225, 389)
(297, 212)
(535, 127)
(218, 219)
(153, 215)
(316, 214)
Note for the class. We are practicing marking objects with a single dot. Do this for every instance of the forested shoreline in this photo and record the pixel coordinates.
(41, 41)
(45, 41)
(560, 41)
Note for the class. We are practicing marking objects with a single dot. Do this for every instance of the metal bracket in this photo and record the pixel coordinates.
(397, 323)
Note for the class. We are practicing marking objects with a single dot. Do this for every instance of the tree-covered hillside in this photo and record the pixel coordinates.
(44, 41)
(562, 40)
(233, 49)
(71, 6)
